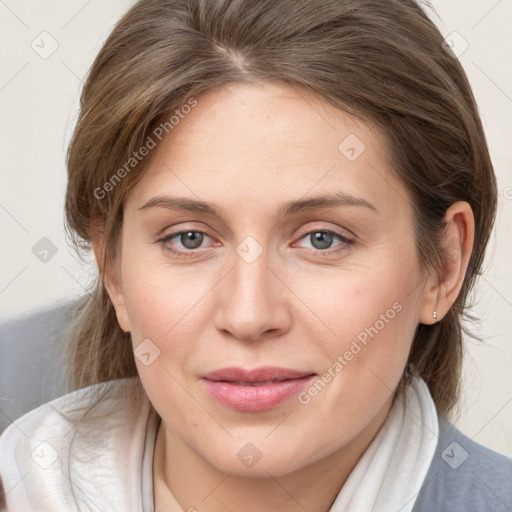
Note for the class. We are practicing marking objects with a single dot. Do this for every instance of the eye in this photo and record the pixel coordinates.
(322, 239)
(190, 240)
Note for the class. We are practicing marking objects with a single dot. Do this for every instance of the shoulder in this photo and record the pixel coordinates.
(465, 476)
(51, 456)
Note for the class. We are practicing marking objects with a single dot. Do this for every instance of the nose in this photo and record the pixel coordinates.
(253, 301)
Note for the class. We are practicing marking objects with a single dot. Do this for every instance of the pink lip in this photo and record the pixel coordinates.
(255, 390)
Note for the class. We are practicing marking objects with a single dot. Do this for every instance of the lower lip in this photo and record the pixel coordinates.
(255, 398)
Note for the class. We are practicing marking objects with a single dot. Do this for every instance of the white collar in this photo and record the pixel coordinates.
(389, 475)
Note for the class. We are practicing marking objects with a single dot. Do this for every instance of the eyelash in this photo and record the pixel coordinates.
(191, 253)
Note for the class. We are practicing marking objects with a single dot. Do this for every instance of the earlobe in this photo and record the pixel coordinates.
(110, 274)
(457, 245)
(430, 312)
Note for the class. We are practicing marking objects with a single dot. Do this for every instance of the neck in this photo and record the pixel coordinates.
(183, 481)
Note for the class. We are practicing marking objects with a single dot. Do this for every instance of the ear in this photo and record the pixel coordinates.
(457, 245)
(111, 275)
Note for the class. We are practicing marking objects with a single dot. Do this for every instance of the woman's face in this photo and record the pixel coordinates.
(322, 296)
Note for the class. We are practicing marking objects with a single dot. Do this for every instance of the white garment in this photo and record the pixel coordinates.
(92, 450)
(389, 475)
(48, 463)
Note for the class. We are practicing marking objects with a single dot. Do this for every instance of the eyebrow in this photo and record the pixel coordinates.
(288, 208)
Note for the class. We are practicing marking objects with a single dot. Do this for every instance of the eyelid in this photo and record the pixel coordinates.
(348, 236)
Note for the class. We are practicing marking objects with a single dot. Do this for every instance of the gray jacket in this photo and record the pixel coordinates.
(465, 476)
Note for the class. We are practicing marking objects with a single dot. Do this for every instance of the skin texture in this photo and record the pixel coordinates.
(249, 149)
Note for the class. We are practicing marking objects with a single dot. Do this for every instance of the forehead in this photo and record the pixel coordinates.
(265, 142)
(269, 116)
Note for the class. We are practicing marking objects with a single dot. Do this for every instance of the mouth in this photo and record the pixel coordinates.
(255, 390)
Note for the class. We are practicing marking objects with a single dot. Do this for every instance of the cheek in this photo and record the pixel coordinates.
(372, 318)
(377, 301)
(155, 298)
(166, 304)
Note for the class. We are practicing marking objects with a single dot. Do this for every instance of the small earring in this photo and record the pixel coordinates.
(434, 314)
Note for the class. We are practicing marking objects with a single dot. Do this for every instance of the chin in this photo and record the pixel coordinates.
(265, 467)
(260, 459)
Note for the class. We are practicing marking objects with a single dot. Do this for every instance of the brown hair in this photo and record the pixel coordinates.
(380, 60)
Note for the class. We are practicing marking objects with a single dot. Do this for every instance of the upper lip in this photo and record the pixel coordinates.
(262, 374)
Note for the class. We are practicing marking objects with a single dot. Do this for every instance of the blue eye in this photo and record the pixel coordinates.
(322, 239)
(190, 240)
(194, 238)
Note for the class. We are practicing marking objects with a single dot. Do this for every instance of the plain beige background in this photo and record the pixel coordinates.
(46, 49)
